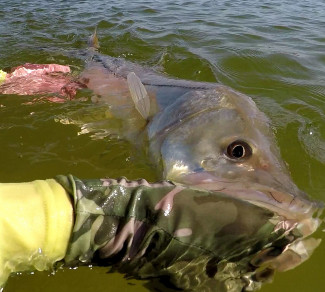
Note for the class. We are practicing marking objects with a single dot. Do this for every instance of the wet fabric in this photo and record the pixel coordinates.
(35, 226)
(200, 240)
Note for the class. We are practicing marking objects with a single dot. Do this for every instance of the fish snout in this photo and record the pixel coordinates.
(278, 193)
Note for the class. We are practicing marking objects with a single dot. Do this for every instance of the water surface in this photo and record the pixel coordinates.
(273, 51)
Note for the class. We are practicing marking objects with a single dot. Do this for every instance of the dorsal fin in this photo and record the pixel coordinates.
(139, 95)
(93, 42)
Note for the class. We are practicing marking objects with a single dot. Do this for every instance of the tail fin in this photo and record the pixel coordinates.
(93, 41)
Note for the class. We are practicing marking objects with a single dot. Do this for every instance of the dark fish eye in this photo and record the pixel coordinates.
(239, 149)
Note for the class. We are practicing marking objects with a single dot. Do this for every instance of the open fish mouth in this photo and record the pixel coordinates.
(291, 204)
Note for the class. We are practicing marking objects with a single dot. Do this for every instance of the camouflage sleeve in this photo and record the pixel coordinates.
(199, 239)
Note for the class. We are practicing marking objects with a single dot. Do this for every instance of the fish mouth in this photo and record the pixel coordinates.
(294, 204)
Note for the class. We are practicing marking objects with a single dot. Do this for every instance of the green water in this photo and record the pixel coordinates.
(273, 51)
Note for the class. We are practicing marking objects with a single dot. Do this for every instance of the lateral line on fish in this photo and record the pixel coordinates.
(99, 60)
(173, 85)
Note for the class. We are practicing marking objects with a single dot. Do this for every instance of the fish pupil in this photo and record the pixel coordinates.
(238, 151)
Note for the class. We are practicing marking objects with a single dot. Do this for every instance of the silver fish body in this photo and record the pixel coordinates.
(205, 135)
(208, 136)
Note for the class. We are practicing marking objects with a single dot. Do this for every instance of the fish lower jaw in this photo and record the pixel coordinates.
(284, 204)
(294, 205)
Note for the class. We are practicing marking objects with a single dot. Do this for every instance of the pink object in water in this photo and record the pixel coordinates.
(35, 79)
(37, 69)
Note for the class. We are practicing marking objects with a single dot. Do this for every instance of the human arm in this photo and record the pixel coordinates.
(198, 239)
(36, 220)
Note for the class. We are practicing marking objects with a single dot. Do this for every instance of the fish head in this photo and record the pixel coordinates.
(221, 141)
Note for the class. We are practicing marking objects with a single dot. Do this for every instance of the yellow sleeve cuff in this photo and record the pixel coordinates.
(36, 220)
(3, 75)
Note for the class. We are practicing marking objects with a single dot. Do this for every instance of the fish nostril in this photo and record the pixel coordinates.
(265, 166)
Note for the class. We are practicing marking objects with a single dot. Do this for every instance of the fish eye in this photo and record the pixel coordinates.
(238, 150)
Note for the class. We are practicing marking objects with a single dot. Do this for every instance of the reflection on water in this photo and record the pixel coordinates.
(270, 50)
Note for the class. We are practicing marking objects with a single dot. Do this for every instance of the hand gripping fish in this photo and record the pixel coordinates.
(50, 80)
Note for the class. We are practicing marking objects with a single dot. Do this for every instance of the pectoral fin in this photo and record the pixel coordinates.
(139, 95)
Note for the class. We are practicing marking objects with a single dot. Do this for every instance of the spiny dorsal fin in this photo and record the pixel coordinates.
(139, 95)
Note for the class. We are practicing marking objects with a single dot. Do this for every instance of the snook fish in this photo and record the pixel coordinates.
(201, 134)
(207, 136)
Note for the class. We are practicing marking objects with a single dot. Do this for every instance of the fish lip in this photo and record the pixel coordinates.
(288, 205)
(291, 205)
